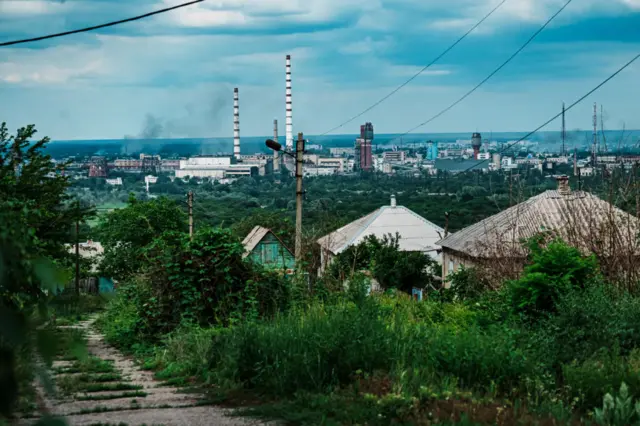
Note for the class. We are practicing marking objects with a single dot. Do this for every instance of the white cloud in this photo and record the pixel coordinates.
(60, 65)
(29, 7)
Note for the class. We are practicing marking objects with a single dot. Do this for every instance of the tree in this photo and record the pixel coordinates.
(390, 266)
(125, 232)
(36, 186)
(553, 270)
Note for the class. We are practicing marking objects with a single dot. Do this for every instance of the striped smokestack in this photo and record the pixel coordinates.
(236, 125)
(289, 116)
(276, 154)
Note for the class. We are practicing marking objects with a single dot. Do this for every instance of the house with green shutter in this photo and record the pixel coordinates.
(265, 248)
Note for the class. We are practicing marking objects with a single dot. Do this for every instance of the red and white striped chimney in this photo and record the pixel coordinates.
(236, 125)
(289, 115)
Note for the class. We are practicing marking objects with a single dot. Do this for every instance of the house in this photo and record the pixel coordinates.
(93, 251)
(580, 218)
(416, 233)
(265, 248)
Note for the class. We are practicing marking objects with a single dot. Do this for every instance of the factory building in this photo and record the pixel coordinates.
(395, 156)
(215, 168)
(363, 154)
(342, 152)
(337, 163)
(98, 167)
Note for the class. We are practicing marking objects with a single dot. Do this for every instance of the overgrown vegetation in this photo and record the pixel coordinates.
(544, 348)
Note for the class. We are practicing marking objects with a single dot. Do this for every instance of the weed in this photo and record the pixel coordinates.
(114, 396)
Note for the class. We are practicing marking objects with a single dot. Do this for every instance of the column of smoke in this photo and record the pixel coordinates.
(276, 154)
(236, 125)
(289, 111)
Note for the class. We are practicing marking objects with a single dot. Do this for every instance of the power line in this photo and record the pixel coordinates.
(97, 27)
(589, 93)
(466, 95)
(394, 91)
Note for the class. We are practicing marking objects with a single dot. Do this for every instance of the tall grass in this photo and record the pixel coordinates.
(326, 346)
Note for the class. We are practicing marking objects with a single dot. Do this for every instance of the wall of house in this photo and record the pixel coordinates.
(272, 254)
(451, 262)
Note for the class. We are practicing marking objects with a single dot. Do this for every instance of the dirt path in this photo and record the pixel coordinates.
(110, 389)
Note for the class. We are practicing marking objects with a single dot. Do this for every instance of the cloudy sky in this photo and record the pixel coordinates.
(177, 71)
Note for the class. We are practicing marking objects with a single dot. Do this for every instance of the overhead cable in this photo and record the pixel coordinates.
(97, 27)
(394, 91)
(586, 95)
(466, 95)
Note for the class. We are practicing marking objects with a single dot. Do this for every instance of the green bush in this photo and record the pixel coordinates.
(603, 373)
(587, 322)
(552, 271)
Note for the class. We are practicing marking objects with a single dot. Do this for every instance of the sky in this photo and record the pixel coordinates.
(173, 75)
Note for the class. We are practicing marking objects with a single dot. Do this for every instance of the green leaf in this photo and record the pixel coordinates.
(50, 277)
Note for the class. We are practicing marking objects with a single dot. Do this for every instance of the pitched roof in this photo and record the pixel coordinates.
(579, 217)
(255, 236)
(416, 233)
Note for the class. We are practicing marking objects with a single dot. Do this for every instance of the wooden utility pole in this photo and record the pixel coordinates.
(190, 205)
(299, 193)
(77, 248)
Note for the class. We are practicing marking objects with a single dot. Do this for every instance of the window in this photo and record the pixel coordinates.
(451, 267)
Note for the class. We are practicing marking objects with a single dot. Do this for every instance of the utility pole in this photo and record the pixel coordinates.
(77, 248)
(594, 148)
(276, 154)
(299, 193)
(564, 132)
(190, 205)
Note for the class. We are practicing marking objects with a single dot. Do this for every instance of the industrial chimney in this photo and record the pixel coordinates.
(289, 111)
(276, 154)
(236, 125)
(476, 143)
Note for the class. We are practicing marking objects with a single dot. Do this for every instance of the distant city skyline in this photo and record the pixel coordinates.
(173, 75)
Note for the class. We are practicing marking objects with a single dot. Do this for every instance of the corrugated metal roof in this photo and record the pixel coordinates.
(416, 233)
(253, 238)
(579, 217)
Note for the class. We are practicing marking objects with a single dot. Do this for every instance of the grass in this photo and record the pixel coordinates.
(90, 365)
(100, 387)
(388, 359)
(122, 395)
(79, 382)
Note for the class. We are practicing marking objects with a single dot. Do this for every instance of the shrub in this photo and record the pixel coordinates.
(603, 373)
(552, 271)
(207, 281)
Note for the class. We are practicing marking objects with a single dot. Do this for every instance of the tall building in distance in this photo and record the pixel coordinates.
(476, 144)
(432, 151)
(363, 154)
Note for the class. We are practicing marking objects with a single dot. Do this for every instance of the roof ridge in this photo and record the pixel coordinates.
(376, 213)
(428, 222)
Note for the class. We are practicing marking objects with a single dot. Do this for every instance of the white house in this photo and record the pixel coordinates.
(416, 233)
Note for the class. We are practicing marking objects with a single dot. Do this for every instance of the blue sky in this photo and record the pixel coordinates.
(179, 69)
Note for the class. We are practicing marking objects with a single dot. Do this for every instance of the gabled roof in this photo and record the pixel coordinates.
(416, 233)
(580, 218)
(255, 236)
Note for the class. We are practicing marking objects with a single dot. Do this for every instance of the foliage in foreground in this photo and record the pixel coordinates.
(202, 281)
(555, 354)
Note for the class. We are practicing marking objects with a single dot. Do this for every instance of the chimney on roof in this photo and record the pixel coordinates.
(563, 185)
(393, 201)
